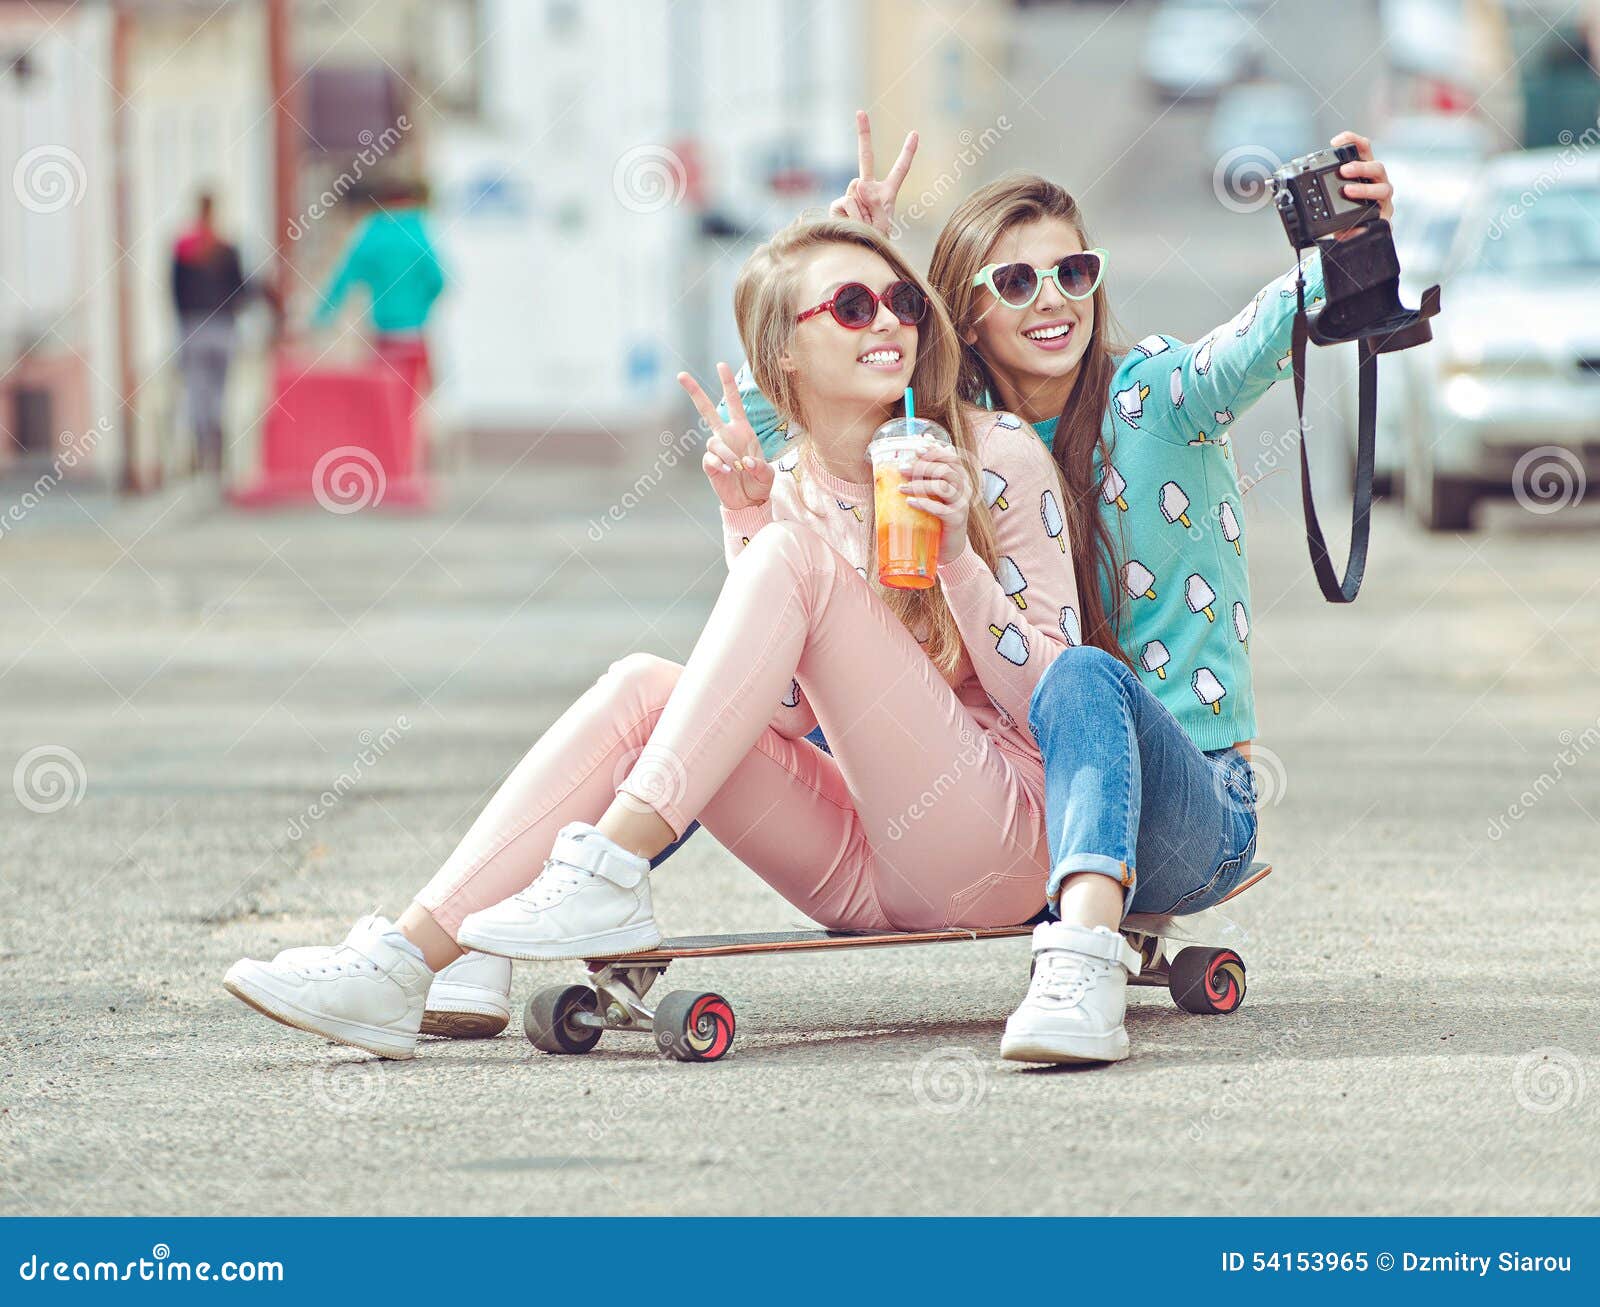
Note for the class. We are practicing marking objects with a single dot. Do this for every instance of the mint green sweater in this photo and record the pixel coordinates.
(1172, 500)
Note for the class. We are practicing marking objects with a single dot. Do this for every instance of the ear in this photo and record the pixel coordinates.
(970, 336)
(787, 364)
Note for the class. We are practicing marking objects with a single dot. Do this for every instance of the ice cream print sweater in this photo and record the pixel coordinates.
(1172, 499)
(1014, 620)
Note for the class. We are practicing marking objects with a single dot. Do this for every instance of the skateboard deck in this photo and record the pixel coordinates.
(698, 1027)
(798, 941)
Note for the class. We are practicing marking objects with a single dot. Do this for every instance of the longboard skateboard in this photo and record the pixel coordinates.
(694, 1026)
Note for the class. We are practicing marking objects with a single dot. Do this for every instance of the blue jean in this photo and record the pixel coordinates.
(1128, 795)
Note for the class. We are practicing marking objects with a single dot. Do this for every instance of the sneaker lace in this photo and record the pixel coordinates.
(343, 961)
(1063, 977)
(344, 958)
(551, 885)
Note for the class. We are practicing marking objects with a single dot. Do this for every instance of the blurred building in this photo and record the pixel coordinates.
(58, 337)
(599, 173)
(603, 170)
(1525, 68)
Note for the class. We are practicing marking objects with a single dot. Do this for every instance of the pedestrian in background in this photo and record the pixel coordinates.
(208, 289)
(392, 256)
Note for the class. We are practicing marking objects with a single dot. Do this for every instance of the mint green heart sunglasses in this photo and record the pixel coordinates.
(1017, 285)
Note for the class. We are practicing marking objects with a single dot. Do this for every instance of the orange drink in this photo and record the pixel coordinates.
(908, 538)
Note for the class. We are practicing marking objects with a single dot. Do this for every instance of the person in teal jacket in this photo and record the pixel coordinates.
(1144, 725)
(391, 255)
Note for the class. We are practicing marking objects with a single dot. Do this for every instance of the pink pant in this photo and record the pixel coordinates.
(918, 820)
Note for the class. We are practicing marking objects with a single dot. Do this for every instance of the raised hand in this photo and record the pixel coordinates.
(733, 462)
(1369, 179)
(868, 199)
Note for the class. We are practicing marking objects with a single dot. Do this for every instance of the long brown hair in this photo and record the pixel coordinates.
(765, 304)
(962, 249)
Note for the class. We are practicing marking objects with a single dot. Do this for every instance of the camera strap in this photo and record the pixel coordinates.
(1337, 589)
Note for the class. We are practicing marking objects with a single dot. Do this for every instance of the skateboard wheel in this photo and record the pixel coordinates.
(547, 1020)
(694, 1027)
(1208, 981)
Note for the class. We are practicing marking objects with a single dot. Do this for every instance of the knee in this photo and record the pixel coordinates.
(788, 546)
(1079, 675)
(645, 677)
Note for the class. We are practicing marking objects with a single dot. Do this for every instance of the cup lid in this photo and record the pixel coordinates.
(915, 429)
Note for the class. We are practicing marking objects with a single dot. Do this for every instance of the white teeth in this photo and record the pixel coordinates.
(1049, 333)
(880, 356)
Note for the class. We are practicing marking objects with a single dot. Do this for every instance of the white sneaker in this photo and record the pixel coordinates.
(592, 900)
(469, 999)
(1075, 1004)
(367, 993)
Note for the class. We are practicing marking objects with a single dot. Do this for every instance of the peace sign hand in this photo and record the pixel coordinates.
(733, 462)
(867, 199)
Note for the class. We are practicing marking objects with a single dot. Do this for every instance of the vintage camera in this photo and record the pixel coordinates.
(1309, 196)
(1361, 302)
(1361, 273)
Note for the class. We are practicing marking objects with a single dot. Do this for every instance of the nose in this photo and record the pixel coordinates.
(1050, 300)
(884, 321)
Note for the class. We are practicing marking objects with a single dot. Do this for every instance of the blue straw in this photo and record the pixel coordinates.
(911, 412)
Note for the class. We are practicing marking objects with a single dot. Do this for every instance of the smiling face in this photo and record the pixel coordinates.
(840, 373)
(1032, 349)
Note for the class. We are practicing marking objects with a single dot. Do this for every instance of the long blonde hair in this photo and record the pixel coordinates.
(958, 255)
(765, 304)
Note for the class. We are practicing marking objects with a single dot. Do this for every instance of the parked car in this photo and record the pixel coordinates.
(1438, 138)
(1195, 48)
(1515, 363)
(1429, 199)
(1254, 128)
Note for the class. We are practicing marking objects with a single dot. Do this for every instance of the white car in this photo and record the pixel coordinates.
(1195, 48)
(1429, 198)
(1514, 367)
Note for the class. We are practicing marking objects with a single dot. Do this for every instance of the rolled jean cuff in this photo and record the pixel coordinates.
(1074, 863)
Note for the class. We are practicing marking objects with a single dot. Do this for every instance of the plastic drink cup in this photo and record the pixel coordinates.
(908, 537)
